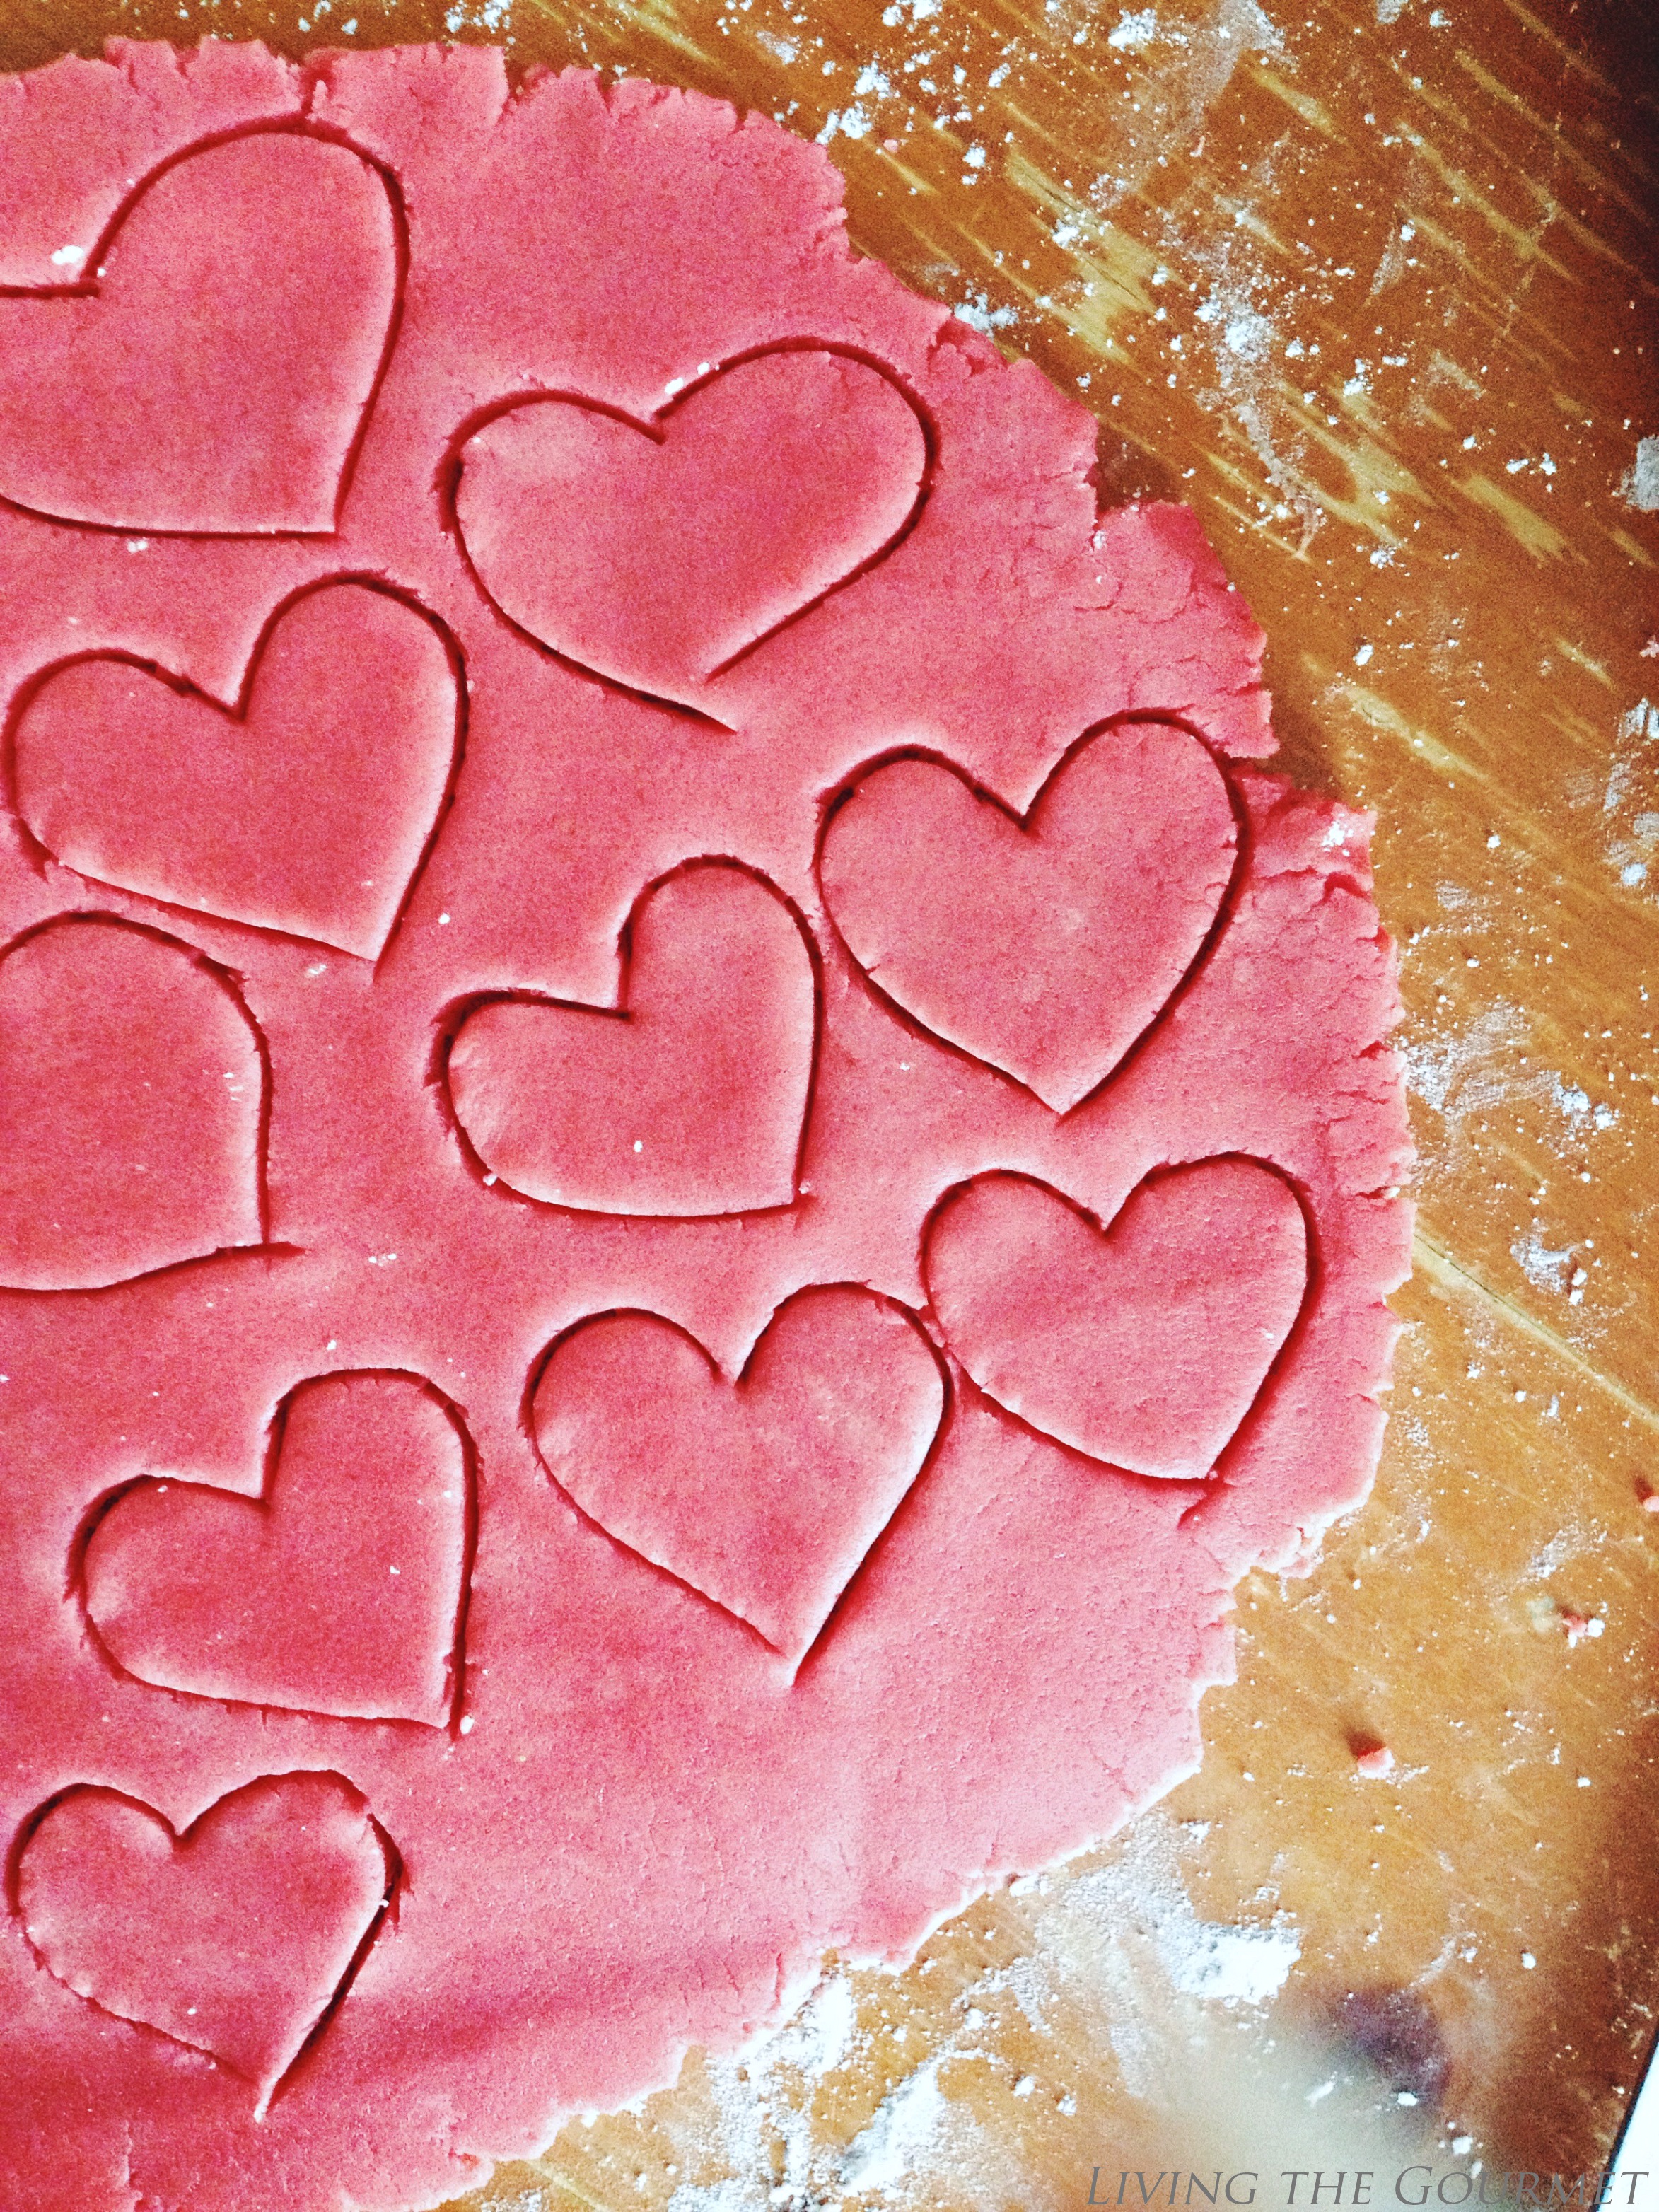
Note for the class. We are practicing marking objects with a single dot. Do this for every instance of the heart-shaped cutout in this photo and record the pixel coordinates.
(1044, 944)
(213, 372)
(131, 1107)
(339, 1591)
(234, 1935)
(305, 808)
(764, 1492)
(656, 553)
(1144, 1344)
(686, 1099)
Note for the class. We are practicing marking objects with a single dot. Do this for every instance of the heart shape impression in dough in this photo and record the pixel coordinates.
(306, 808)
(1043, 945)
(212, 371)
(339, 1591)
(766, 1492)
(656, 552)
(232, 1937)
(1144, 1344)
(688, 1097)
(131, 1086)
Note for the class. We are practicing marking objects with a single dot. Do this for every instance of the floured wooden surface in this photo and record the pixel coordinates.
(1498, 695)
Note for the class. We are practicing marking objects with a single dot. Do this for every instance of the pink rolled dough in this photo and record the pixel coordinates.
(687, 1163)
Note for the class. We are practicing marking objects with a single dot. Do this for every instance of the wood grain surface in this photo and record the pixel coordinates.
(1372, 286)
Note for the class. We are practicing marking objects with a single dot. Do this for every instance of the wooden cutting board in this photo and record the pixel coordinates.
(1372, 287)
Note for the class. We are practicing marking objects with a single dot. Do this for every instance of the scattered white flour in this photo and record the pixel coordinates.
(1630, 798)
(1115, 1956)
(1182, 91)
(907, 2121)
(1546, 1270)
(1640, 485)
(1572, 1542)
(977, 310)
(1254, 350)
(1243, 332)
(492, 15)
(849, 122)
(821, 2034)
(775, 2160)
(1111, 1936)
(1471, 1070)
(1135, 32)
(762, 2098)
(1549, 1560)
(1133, 1991)
(1468, 1074)
(1236, 1965)
(1142, 1894)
